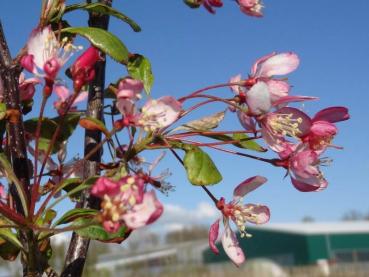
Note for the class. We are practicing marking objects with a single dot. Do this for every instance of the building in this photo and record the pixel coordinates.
(304, 243)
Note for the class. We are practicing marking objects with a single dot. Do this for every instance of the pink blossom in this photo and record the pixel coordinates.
(303, 165)
(251, 7)
(46, 53)
(159, 113)
(145, 213)
(65, 95)
(129, 91)
(239, 214)
(27, 87)
(125, 202)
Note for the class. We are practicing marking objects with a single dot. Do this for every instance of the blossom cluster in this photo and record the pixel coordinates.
(261, 102)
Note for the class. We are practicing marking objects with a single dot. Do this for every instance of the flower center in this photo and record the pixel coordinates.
(284, 124)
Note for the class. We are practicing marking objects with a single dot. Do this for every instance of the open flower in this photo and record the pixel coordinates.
(239, 214)
(126, 202)
(159, 113)
(46, 53)
(303, 165)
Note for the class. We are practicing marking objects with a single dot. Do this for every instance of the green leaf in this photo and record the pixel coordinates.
(203, 124)
(139, 68)
(103, 40)
(7, 169)
(8, 235)
(201, 170)
(105, 10)
(8, 251)
(97, 232)
(246, 143)
(48, 128)
(2, 111)
(75, 214)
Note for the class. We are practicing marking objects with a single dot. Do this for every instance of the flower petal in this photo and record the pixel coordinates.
(278, 89)
(249, 185)
(213, 236)
(332, 114)
(279, 64)
(235, 79)
(260, 213)
(145, 213)
(258, 62)
(309, 184)
(290, 99)
(231, 247)
(258, 99)
(246, 121)
(38, 44)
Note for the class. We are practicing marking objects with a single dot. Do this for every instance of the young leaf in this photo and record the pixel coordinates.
(203, 124)
(201, 170)
(93, 124)
(75, 214)
(97, 232)
(8, 235)
(139, 68)
(103, 40)
(105, 10)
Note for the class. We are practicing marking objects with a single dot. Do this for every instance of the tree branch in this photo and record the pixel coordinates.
(9, 72)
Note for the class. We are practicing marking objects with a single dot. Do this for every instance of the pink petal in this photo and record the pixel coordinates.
(309, 184)
(231, 247)
(246, 121)
(279, 64)
(145, 213)
(62, 92)
(258, 63)
(81, 97)
(258, 99)
(104, 186)
(37, 46)
(260, 214)
(290, 99)
(278, 89)
(249, 185)
(213, 236)
(332, 114)
(235, 79)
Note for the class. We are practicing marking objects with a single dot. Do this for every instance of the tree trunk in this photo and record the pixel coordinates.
(78, 247)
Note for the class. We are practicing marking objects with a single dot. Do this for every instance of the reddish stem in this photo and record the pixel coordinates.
(36, 186)
(182, 99)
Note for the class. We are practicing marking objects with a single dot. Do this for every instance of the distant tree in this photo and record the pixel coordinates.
(308, 218)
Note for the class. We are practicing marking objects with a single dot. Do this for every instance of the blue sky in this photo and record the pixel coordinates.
(190, 49)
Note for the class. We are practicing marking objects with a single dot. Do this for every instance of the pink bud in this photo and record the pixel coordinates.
(27, 63)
